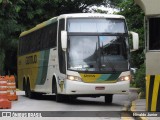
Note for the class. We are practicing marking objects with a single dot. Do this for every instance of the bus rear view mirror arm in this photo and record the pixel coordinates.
(64, 40)
(135, 40)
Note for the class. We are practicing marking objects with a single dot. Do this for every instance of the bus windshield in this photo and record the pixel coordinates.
(97, 53)
(99, 25)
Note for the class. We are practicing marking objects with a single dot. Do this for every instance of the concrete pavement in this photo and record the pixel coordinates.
(136, 106)
(138, 109)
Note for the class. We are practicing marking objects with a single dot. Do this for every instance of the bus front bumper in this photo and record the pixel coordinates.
(81, 88)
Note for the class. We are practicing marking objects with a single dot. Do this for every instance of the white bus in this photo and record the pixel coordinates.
(75, 55)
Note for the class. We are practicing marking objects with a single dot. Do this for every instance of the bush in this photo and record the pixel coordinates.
(140, 81)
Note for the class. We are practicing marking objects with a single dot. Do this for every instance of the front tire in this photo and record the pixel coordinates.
(108, 98)
(28, 92)
(59, 97)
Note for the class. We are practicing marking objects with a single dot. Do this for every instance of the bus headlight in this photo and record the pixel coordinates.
(73, 78)
(124, 78)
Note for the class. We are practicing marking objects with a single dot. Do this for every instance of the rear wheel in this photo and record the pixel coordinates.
(25, 87)
(108, 98)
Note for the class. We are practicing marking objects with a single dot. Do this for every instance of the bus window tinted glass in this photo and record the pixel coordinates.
(41, 39)
(96, 25)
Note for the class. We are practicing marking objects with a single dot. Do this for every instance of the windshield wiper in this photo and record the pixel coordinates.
(116, 34)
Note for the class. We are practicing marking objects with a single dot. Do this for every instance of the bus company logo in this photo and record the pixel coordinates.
(6, 114)
(89, 76)
(31, 59)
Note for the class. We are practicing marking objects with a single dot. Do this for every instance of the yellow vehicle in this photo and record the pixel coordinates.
(76, 55)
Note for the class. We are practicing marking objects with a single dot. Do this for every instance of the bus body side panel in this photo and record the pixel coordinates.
(34, 67)
(52, 70)
(28, 68)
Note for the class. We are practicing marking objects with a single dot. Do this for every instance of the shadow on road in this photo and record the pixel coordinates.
(77, 101)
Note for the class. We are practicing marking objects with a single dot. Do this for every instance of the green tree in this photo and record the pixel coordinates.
(9, 28)
(140, 78)
(36, 11)
(19, 15)
(135, 19)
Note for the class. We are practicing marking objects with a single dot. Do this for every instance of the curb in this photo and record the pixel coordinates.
(133, 109)
(124, 114)
(133, 105)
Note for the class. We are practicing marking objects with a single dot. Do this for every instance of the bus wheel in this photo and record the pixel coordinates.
(59, 98)
(28, 90)
(25, 88)
(108, 98)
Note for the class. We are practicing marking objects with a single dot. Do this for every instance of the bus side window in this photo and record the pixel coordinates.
(53, 35)
(37, 40)
(41, 39)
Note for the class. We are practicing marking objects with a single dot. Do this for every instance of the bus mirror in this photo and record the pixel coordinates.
(135, 40)
(64, 40)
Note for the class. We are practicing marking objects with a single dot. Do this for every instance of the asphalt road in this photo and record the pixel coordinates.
(86, 108)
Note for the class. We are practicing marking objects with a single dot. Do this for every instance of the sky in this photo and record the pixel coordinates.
(104, 8)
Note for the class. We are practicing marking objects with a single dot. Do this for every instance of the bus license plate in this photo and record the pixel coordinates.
(99, 88)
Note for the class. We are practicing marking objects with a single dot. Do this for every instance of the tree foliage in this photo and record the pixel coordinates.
(9, 29)
(135, 20)
(19, 15)
(135, 17)
(38, 11)
(140, 78)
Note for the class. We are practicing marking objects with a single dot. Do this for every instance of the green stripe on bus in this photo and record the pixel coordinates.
(39, 76)
(108, 77)
(103, 77)
(50, 21)
(43, 66)
(114, 76)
